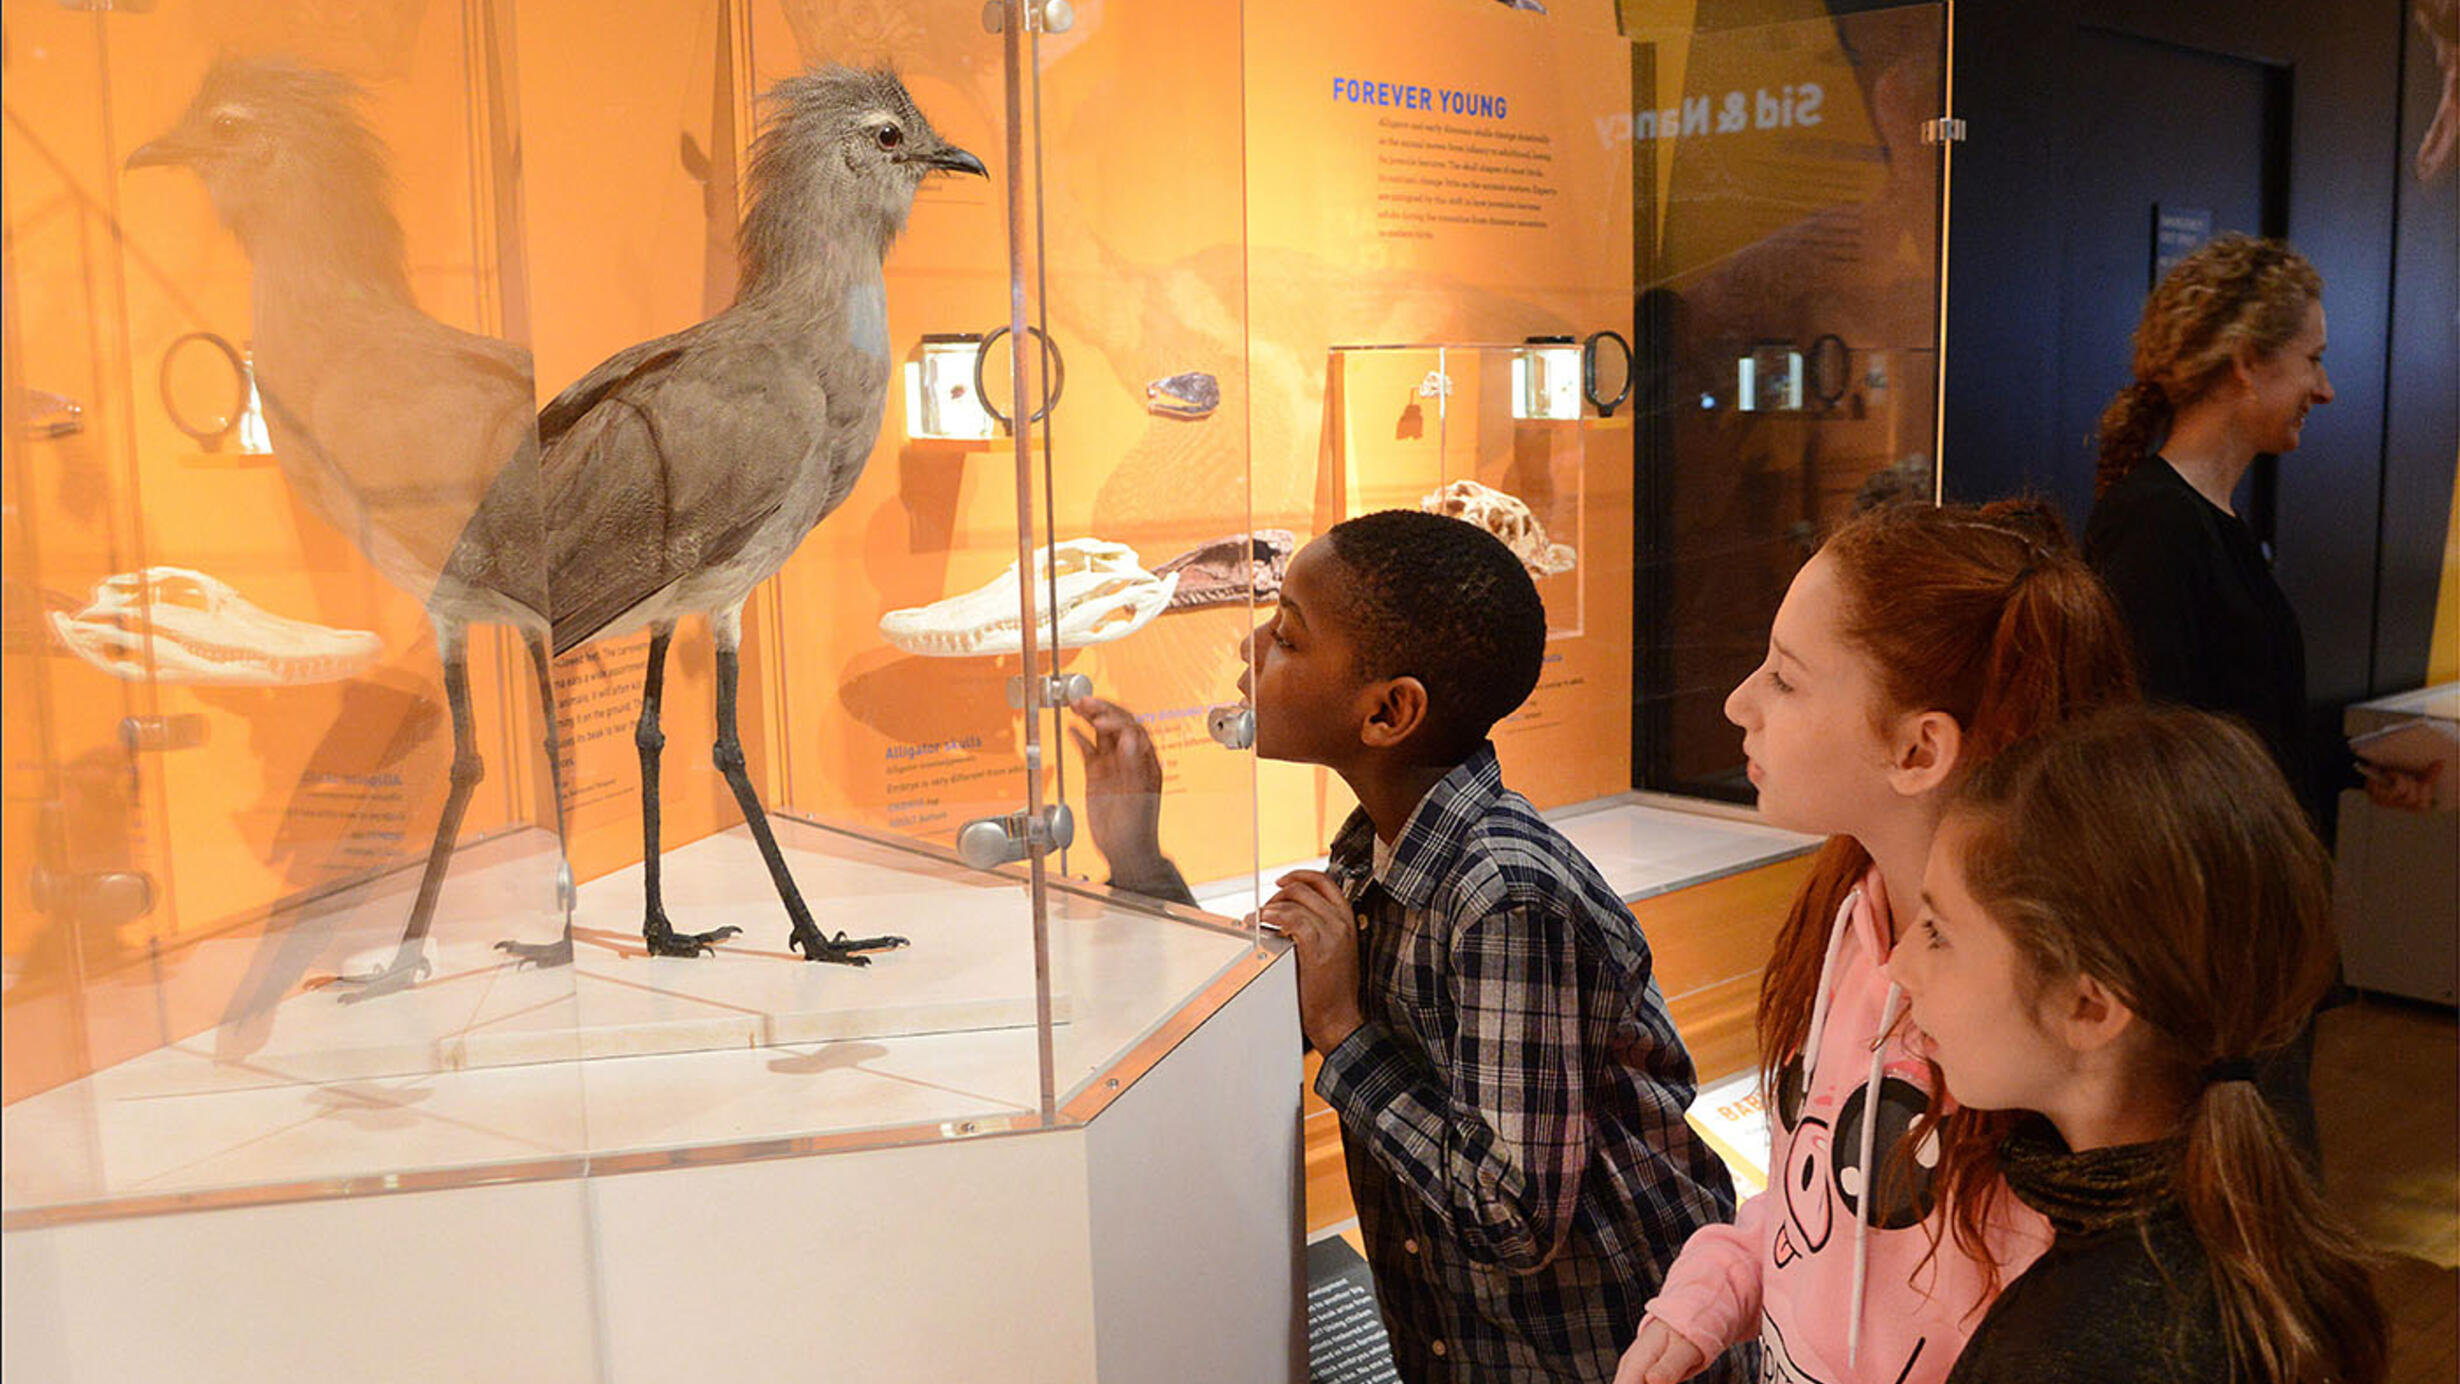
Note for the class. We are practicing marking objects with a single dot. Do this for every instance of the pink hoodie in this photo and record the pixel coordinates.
(1832, 1294)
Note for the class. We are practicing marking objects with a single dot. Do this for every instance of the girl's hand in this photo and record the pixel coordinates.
(1659, 1356)
(1309, 910)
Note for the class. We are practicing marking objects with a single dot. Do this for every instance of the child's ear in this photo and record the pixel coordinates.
(1396, 709)
(2094, 1017)
(1924, 753)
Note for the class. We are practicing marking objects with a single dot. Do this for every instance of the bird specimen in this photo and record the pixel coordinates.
(412, 438)
(685, 470)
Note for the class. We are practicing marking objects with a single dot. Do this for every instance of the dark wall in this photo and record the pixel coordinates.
(2362, 579)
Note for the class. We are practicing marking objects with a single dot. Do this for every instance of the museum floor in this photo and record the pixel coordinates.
(2387, 1093)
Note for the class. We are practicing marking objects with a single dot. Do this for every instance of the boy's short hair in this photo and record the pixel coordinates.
(1444, 601)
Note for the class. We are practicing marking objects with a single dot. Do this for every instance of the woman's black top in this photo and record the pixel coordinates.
(2212, 628)
(2122, 1296)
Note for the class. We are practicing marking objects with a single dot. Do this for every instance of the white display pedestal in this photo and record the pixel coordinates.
(1157, 1241)
(2396, 877)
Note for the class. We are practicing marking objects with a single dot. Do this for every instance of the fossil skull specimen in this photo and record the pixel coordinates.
(177, 625)
(1507, 518)
(1243, 568)
(1104, 594)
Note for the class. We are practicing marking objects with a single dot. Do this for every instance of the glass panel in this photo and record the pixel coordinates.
(1789, 321)
(1137, 159)
(269, 585)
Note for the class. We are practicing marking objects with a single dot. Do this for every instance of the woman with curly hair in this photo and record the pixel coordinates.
(2228, 361)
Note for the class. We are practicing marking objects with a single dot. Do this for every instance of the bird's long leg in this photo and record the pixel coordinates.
(410, 962)
(806, 937)
(662, 938)
(558, 952)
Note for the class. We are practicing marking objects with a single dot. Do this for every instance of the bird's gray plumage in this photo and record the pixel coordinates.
(685, 470)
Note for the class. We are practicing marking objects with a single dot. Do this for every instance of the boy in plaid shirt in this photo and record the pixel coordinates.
(1511, 1092)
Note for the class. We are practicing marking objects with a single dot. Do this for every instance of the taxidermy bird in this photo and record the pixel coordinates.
(412, 438)
(685, 470)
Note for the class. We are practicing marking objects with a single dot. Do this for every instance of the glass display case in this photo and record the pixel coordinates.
(549, 546)
(288, 813)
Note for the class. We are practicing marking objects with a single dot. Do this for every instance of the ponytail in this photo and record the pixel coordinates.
(2131, 427)
(2288, 1273)
(2234, 298)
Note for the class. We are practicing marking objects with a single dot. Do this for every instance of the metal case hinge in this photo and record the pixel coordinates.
(1057, 690)
(988, 842)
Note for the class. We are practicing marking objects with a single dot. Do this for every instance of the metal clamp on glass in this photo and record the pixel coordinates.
(160, 734)
(1234, 726)
(1057, 690)
(988, 842)
(1041, 16)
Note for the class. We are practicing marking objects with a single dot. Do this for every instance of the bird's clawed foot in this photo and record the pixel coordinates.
(407, 968)
(540, 954)
(841, 949)
(663, 940)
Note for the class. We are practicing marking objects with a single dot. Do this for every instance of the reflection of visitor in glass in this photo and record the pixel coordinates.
(1123, 800)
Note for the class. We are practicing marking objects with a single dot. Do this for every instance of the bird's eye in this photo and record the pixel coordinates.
(226, 125)
(890, 136)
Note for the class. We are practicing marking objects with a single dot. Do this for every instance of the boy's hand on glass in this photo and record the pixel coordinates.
(1659, 1356)
(1123, 786)
(1309, 910)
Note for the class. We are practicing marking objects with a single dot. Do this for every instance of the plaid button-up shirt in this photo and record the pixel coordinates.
(1512, 1108)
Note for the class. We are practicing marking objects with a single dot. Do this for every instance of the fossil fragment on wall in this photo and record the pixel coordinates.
(1506, 517)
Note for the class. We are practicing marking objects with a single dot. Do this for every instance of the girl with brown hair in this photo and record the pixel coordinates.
(2117, 918)
(1917, 643)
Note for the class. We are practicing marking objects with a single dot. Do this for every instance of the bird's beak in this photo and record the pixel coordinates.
(170, 149)
(956, 160)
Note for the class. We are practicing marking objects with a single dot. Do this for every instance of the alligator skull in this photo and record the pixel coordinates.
(176, 625)
(1104, 594)
(1507, 518)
